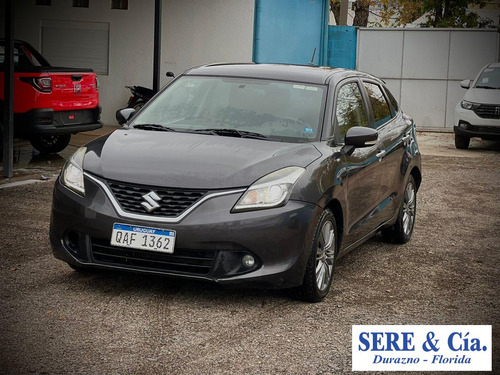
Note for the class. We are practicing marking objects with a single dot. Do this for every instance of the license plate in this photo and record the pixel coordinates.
(143, 238)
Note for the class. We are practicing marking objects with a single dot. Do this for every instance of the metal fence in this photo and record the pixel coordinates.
(423, 67)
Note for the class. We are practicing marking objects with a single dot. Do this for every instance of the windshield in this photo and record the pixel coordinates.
(282, 111)
(489, 79)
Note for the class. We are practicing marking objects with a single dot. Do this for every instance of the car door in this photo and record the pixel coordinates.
(361, 173)
(392, 141)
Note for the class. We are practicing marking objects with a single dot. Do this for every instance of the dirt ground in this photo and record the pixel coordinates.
(54, 320)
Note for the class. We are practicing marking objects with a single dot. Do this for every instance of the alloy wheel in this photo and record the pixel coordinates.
(325, 256)
(409, 205)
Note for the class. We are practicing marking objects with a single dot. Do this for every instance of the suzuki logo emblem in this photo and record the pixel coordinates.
(77, 88)
(497, 111)
(151, 201)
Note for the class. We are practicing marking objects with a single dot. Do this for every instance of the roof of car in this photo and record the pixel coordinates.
(283, 72)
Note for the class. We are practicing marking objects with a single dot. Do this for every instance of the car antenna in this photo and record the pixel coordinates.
(312, 58)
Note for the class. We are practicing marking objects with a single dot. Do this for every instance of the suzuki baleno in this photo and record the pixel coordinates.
(243, 174)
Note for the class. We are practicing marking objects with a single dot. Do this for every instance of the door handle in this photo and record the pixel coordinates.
(406, 139)
(381, 155)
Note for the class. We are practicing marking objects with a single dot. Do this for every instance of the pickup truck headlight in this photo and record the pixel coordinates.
(468, 105)
(72, 175)
(272, 190)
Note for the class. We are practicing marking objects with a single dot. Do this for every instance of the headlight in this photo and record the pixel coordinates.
(72, 175)
(468, 105)
(272, 190)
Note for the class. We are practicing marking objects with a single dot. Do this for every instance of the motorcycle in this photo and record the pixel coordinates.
(140, 95)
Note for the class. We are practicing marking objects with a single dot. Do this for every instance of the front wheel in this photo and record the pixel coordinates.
(320, 266)
(461, 142)
(402, 229)
(50, 144)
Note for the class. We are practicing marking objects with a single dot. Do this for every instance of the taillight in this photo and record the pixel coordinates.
(97, 84)
(43, 84)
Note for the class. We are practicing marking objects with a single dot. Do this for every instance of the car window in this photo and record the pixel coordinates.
(489, 79)
(381, 109)
(393, 101)
(22, 58)
(350, 110)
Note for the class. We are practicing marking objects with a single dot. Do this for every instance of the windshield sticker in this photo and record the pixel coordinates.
(485, 80)
(311, 88)
(300, 87)
(308, 130)
(488, 70)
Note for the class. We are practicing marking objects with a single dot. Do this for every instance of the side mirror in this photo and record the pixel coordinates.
(465, 84)
(360, 136)
(170, 74)
(122, 115)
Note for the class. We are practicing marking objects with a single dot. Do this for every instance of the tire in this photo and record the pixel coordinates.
(80, 269)
(461, 142)
(321, 263)
(402, 229)
(1, 141)
(50, 144)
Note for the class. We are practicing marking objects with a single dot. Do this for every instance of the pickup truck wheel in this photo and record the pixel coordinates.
(461, 142)
(50, 144)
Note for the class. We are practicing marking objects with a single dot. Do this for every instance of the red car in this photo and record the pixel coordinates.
(50, 103)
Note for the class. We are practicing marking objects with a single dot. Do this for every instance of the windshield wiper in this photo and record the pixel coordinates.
(154, 127)
(232, 133)
(487, 87)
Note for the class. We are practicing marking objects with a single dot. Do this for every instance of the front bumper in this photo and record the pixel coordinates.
(46, 121)
(484, 132)
(210, 241)
(469, 124)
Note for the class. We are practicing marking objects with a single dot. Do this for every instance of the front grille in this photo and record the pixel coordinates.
(182, 261)
(488, 111)
(484, 129)
(173, 201)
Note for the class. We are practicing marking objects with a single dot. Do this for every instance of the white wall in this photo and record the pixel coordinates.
(423, 67)
(199, 32)
(193, 32)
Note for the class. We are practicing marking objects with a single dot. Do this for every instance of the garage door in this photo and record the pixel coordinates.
(76, 44)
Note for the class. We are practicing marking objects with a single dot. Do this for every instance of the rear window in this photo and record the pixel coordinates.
(23, 57)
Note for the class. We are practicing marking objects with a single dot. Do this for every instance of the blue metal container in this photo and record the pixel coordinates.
(291, 31)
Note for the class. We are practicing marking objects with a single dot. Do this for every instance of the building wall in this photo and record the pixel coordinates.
(199, 32)
(193, 32)
(423, 67)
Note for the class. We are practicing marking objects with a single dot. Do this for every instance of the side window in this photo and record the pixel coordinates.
(381, 109)
(350, 110)
(393, 101)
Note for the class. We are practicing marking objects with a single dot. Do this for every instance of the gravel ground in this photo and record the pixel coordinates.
(56, 321)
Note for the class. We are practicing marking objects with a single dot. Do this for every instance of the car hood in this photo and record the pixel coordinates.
(187, 160)
(483, 96)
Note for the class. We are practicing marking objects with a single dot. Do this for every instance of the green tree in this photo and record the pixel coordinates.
(361, 11)
(438, 13)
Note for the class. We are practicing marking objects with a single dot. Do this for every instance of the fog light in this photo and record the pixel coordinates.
(463, 124)
(248, 261)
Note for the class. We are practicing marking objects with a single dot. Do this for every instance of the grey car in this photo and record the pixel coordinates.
(248, 175)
